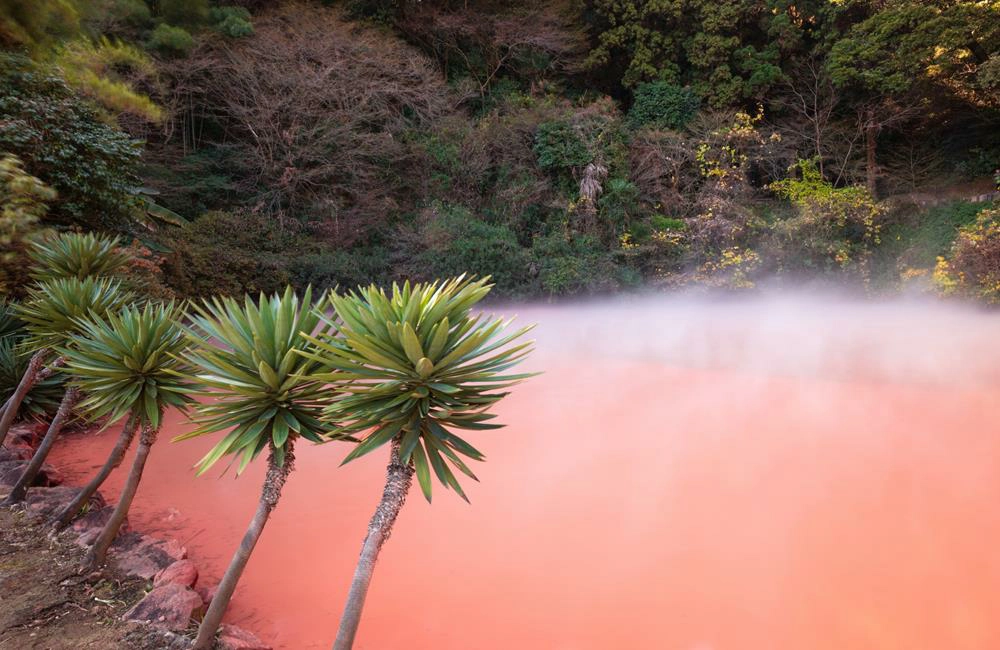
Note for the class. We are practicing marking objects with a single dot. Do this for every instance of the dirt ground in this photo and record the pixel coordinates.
(46, 605)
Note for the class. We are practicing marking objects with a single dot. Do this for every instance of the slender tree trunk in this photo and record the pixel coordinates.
(20, 490)
(273, 482)
(871, 146)
(397, 483)
(23, 388)
(98, 554)
(66, 515)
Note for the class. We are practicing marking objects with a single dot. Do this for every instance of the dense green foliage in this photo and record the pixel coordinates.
(662, 105)
(562, 147)
(61, 140)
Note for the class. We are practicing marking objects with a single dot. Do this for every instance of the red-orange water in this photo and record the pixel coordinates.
(772, 474)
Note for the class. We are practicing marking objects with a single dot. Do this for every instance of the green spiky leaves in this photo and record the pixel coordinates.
(129, 363)
(44, 397)
(418, 366)
(76, 255)
(10, 324)
(53, 310)
(265, 391)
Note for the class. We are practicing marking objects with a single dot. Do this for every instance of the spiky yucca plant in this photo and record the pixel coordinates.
(43, 398)
(76, 255)
(110, 380)
(264, 391)
(128, 364)
(413, 367)
(51, 315)
(10, 324)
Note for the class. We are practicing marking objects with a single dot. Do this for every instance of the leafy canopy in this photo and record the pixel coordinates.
(129, 363)
(418, 364)
(63, 141)
(76, 255)
(953, 44)
(53, 310)
(248, 356)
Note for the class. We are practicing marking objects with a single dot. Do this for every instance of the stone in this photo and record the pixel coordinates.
(11, 470)
(27, 434)
(207, 593)
(181, 572)
(236, 638)
(143, 556)
(43, 502)
(15, 452)
(89, 526)
(169, 607)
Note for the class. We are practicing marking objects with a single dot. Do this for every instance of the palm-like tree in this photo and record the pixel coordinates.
(412, 367)
(76, 255)
(248, 356)
(66, 515)
(44, 397)
(63, 256)
(129, 365)
(52, 315)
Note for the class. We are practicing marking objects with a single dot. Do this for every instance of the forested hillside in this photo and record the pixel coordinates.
(566, 147)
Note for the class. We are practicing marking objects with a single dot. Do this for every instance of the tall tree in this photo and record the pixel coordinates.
(906, 52)
(265, 393)
(129, 365)
(413, 365)
(51, 315)
(50, 311)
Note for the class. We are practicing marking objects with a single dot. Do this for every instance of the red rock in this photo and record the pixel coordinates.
(207, 593)
(11, 470)
(169, 607)
(15, 452)
(46, 501)
(236, 638)
(26, 433)
(182, 572)
(88, 526)
(144, 557)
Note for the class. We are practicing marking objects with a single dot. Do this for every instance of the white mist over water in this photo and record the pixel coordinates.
(784, 333)
(776, 471)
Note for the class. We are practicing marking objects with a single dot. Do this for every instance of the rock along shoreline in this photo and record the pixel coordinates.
(174, 600)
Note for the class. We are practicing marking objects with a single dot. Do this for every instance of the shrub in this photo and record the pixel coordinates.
(233, 22)
(23, 202)
(63, 142)
(344, 268)
(618, 205)
(662, 105)
(184, 12)
(832, 228)
(975, 258)
(170, 41)
(560, 146)
(230, 254)
(452, 241)
(573, 264)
